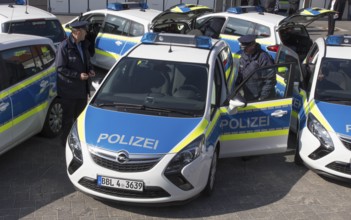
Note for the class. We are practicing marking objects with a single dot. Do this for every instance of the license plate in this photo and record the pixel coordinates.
(120, 183)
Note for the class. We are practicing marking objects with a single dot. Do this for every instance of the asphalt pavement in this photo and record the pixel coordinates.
(34, 185)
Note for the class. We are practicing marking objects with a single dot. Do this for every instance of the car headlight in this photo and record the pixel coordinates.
(186, 156)
(181, 159)
(74, 143)
(320, 132)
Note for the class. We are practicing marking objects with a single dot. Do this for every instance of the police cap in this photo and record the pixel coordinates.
(79, 25)
(247, 39)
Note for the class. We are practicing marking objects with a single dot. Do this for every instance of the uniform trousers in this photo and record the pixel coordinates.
(71, 110)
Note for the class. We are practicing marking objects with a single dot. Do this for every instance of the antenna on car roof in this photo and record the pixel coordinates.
(13, 8)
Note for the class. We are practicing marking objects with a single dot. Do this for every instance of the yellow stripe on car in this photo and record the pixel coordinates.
(81, 126)
(27, 82)
(192, 136)
(253, 135)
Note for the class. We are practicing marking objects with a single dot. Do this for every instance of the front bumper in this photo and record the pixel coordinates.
(157, 188)
(335, 164)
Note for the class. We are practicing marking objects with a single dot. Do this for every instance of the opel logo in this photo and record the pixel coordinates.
(122, 157)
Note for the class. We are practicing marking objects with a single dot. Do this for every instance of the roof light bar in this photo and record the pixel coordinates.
(338, 40)
(245, 9)
(21, 2)
(203, 42)
(128, 5)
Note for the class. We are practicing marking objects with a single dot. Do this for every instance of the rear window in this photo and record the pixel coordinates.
(46, 28)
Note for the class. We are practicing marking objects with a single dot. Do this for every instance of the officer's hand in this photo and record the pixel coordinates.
(84, 76)
(91, 73)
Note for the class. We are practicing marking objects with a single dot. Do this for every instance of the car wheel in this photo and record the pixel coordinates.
(53, 121)
(297, 158)
(212, 175)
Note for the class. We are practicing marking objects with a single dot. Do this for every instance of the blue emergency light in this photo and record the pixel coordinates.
(245, 9)
(127, 5)
(338, 40)
(203, 42)
(21, 2)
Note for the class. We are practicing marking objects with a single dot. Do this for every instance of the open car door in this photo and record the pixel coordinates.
(261, 126)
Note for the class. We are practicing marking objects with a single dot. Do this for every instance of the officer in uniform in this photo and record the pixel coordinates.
(258, 87)
(73, 73)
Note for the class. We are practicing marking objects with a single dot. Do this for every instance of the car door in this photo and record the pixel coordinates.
(260, 126)
(111, 40)
(31, 75)
(5, 110)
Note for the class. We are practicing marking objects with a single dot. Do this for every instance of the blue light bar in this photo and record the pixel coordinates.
(124, 6)
(21, 2)
(245, 9)
(203, 42)
(338, 40)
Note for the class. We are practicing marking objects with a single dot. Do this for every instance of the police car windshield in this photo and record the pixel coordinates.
(334, 80)
(45, 28)
(142, 86)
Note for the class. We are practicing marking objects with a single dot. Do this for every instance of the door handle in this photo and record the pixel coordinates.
(279, 113)
(3, 106)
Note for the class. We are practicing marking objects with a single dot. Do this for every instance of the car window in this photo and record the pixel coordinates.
(162, 84)
(24, 62)
(262, 31)
(239, 27)
(136, 30)
(334, 80)
(116, 25)
(46, 28)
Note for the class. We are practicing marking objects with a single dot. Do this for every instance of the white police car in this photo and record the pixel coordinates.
(115, 30)
(324, 121)
(271, 29)
(26, 19)
(153, 131)
(28, 103)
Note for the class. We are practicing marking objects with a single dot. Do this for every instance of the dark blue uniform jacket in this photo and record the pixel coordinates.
(260, 86)
(69, 67)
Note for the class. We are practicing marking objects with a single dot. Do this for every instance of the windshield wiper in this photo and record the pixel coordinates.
(167, 110)
(118, 104)
(144, 107)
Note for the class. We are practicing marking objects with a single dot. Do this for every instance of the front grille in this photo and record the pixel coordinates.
(130, 163)
(346, 141)
(125, 167)
(148, 192)
(340, 167)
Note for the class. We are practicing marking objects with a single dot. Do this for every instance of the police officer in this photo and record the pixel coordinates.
(73, 73)
(253, 57)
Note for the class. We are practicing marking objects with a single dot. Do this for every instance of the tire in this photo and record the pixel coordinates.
(53, 121)
(297, 158)
(212, 175)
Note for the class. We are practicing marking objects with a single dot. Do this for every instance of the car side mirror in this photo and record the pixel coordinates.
(235, 103)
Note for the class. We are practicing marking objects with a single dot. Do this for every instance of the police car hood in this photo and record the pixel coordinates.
(306, 16)
(135, 133)
(337, 116)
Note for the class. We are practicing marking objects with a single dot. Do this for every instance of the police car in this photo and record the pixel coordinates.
(26, 19)
(155, 128)
(324, 121)
(271, 29)
(28, 103)
(116, 29)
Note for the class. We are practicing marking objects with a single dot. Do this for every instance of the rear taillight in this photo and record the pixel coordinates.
(273, 48)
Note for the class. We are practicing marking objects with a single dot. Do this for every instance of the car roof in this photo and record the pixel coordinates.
(267, 19)
(17, 40)
(133, 14)
(178, 54)
(22, 12)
